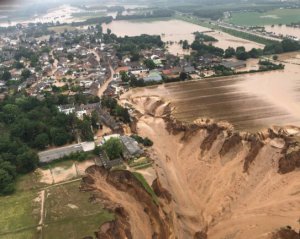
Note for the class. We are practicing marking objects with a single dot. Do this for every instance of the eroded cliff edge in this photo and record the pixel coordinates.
(212, 181)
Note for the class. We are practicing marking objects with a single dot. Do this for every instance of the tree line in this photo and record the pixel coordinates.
(28, 125)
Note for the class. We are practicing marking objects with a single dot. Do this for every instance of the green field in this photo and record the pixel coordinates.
(232, 32)
(19, 212)
(278, 16)
(67, 211)
(87, 15)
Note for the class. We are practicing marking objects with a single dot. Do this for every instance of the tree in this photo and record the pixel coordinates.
(95, 119)
(70, 57)
(149, 64)
(27, 161)
(122, 113)
(254, 53)
(290, 45)
(59, 136)
(185, 45)
(18, 65)
(85, 130)
(229, 52)
(25, 73)
(6, 76)
(41, 141)
(113, 147)
(124, 76)
(241, 53)
(183, 76)
(108, 31)
(135, 56)
(6, 182)
(11, 112)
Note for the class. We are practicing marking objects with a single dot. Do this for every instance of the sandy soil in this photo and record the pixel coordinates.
(149, 174)
(139, 221)
(46, 176)
(82, 166)
(212, 192)
(61, 174)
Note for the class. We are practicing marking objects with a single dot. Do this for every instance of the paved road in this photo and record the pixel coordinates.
(50, 155)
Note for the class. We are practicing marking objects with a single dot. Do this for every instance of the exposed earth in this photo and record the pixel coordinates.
(212, 181)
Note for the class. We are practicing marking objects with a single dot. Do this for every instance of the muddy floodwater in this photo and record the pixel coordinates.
(174, 31)
(284, 30)
(250, 102)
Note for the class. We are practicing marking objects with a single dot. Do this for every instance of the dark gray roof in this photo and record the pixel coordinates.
(131, 145)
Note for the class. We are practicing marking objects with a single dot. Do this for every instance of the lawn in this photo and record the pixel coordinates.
(278, 16)
(18, 212)
(77, 227)
(69, 211)
(30, 234)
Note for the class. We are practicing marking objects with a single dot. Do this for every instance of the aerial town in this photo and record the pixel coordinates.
(150, 120)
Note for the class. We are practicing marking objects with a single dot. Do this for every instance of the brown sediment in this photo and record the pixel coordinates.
(212, 133)
(286, 233)
(231, 142)
(289, 162)
(203, 167)
(118, 228)
(255, 146)
(136, 213)
(160, 191)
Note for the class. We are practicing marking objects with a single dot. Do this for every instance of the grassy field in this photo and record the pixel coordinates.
(87, 15)
(236, 33)
(278, 16)
(67, 211)
(19, 212)
(70, 213)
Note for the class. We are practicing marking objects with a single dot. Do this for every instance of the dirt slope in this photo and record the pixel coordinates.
(225, 183)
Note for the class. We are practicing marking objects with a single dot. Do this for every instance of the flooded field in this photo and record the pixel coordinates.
(250, 102)
(284, 30)
(175, 30)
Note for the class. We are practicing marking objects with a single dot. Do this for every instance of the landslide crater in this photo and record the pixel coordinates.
(223, 183)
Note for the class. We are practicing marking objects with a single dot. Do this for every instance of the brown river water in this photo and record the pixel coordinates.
(176, 30)
(250, 102)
